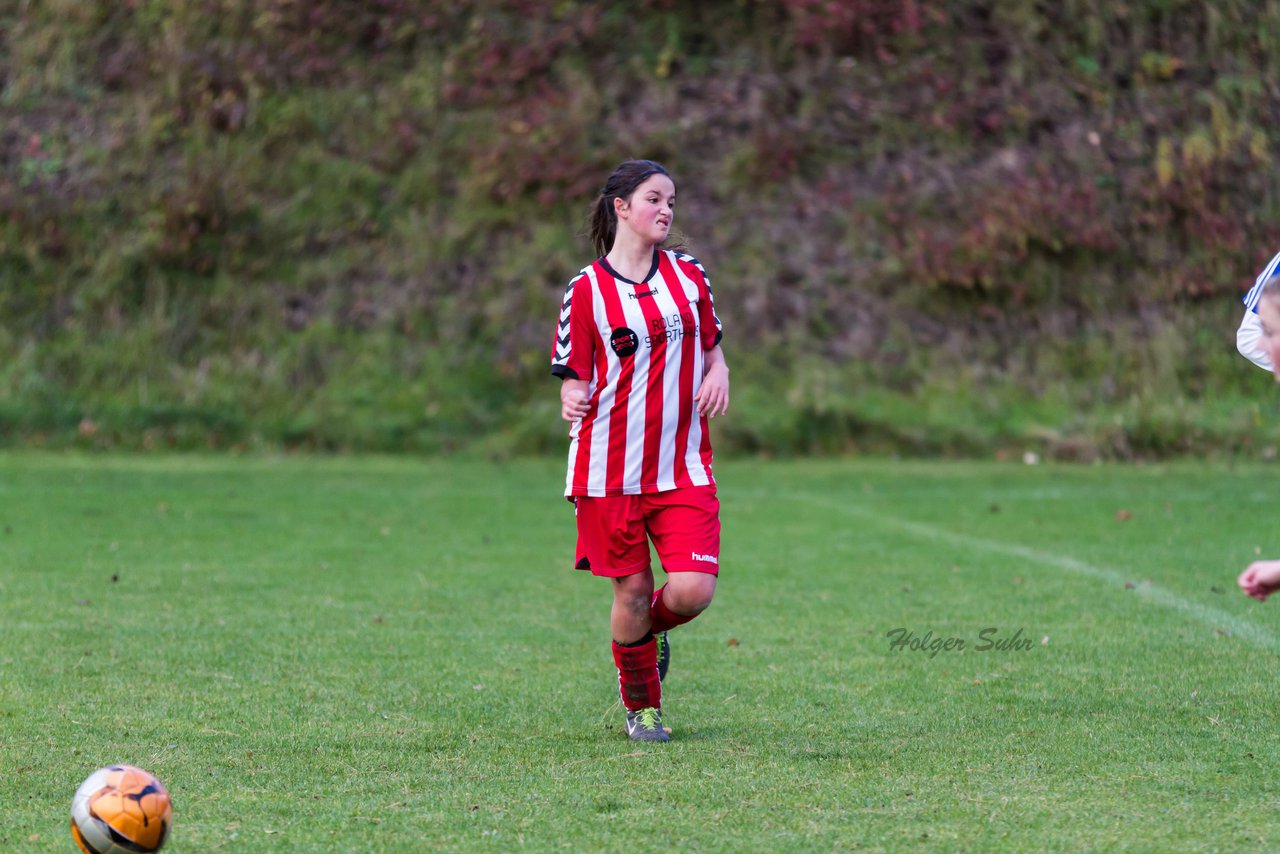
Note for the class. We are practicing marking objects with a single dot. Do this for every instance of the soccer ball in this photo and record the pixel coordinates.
(120, 809)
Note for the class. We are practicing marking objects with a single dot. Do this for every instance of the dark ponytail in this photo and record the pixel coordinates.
(621, 184)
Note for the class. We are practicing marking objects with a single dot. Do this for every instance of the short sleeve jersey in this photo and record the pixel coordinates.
(640, 346)
(1255, 293)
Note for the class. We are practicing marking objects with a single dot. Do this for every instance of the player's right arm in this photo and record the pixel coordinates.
(1249, 340)
(1249, 335)
(573, 352)
(573, 399)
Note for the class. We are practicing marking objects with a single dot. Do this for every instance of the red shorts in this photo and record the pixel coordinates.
(614, 531)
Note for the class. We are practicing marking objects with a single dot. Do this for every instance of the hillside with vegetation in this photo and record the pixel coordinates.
(964, 227)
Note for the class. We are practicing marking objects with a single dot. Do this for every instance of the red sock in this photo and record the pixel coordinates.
(638, 674)
(663, 618)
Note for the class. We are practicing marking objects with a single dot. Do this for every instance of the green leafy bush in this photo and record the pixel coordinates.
(936, 228)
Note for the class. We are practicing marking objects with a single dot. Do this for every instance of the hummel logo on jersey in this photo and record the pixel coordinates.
(649, 293)
(706, 558)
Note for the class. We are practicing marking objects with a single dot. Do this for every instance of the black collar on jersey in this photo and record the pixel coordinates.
(604, 262)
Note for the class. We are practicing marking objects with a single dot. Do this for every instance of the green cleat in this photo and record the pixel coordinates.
(646, 725)
(664, 654)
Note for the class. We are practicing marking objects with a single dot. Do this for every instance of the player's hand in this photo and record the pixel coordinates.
(713, 397)
(573, 400)
(1260, 579)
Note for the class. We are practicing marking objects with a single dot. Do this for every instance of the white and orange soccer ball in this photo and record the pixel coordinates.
(120, 809)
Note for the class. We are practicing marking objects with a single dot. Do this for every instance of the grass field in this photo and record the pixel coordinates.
(392, 655)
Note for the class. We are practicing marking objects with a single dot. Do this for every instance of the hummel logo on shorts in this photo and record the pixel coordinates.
(706, 558)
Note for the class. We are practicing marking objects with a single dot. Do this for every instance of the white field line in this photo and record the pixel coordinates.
(1209, 616)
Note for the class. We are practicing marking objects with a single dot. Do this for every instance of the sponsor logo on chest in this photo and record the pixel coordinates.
(624, 342)
(673, 324)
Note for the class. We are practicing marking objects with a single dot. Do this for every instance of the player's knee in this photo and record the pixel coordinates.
(633, 597)
(637, 607)
(691, 598)
(695, 607)
(699, 600)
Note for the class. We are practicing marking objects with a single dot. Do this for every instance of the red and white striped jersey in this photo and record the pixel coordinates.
(640, 345)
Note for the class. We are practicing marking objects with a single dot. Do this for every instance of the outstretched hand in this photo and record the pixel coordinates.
(1261, 579)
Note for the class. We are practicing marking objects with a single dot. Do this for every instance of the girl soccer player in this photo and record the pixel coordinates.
(1262, 577)
(1249, 336)
(638, 354)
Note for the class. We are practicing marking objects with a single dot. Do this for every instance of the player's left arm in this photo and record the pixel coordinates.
(713, 397)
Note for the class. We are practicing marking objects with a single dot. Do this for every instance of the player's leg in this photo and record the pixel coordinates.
(612, 543)
(685, 527)
(685, 595)
(637, 659)
(629, 619)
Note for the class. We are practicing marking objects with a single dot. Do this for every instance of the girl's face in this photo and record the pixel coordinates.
(651, 209)
(1269, 314)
